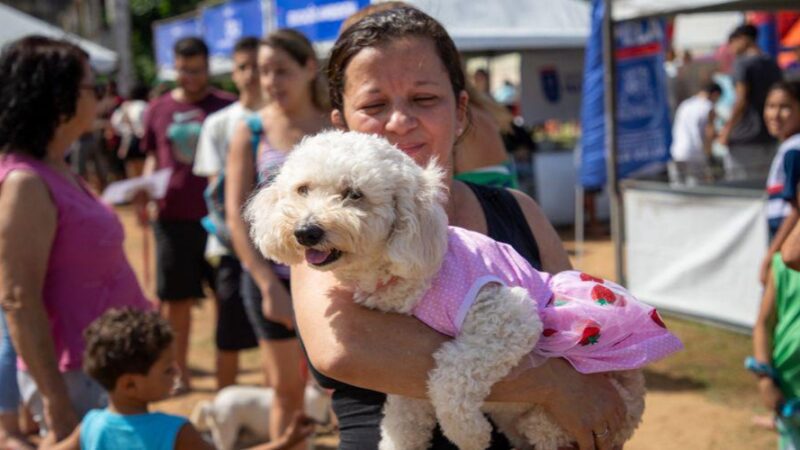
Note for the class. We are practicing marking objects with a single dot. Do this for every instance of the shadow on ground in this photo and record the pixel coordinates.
(657, 381)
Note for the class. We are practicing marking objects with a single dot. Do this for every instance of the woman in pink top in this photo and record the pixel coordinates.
(61, 250)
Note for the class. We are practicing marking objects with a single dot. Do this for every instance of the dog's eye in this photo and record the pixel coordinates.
(352, 194)
(302, 190)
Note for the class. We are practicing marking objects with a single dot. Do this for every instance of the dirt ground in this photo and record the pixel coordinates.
(700, 399)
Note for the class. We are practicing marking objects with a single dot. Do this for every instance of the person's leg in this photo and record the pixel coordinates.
(234, 330)
(283, 363)
(251, 299)
(180, 268)
(10, 434)
(281, 357)
(179, 315)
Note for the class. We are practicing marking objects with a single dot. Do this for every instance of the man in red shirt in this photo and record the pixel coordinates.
(172, 127)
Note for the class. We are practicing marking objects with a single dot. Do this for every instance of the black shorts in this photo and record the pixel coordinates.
(234, 331)
(264, 328)
(181, 266)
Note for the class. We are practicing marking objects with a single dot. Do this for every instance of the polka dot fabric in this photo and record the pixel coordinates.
(597, 325)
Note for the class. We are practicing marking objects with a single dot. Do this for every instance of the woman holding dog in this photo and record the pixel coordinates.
(397, 73)
(288, 74)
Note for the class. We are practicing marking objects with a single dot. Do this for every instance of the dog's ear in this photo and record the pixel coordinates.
(270, 232)
(419, 236)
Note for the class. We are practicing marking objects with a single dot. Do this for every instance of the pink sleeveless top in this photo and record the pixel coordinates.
(596, 325)
(87, 272)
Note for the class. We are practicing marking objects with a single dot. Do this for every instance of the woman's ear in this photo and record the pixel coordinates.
(462, 111)
(337, 119)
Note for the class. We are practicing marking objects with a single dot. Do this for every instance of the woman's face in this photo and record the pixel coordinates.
(86, 108)
(782, 114)
(283, 80)
(401, 91)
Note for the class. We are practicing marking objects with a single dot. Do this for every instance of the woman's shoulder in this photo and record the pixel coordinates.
(26, 180)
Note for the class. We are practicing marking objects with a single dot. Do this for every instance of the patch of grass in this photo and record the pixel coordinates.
(712, 362)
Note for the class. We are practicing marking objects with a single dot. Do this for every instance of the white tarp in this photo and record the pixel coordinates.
(696, 253)
(704, 31)
(15, 24)
(631, 9)
(511, 24)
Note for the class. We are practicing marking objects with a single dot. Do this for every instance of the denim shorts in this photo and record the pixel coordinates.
(9, 390)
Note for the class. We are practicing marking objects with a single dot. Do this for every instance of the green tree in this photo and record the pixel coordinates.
(143, 14)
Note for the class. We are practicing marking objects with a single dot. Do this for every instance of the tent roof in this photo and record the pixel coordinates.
(511, 24)
(15, 24)
(632, 9)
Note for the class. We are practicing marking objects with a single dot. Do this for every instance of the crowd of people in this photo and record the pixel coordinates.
(82, 350)
(749, 146)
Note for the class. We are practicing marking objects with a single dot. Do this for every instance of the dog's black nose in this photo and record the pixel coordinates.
(309, 235)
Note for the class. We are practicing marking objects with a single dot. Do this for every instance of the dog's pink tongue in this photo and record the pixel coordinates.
(316, 256)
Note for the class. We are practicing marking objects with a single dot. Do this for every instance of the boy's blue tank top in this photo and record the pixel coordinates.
(105, 430)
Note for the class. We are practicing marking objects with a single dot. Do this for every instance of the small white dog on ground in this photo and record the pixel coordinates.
(355, 205)
(244, 410)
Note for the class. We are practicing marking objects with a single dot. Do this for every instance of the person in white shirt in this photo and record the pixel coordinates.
(128, 121)
(692, 134)
(234, 332)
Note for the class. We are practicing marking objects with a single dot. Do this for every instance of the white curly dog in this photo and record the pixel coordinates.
(241, 411)
(355, 205)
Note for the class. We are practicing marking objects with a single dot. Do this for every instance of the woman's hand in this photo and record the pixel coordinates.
(588, 407)
(277, 303)
(60, 417)
(770, 394)
(766, 265)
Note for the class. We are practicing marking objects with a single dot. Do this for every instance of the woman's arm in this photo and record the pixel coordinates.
(762, 345)
(27, 230)
(393, 353)
(777, 242)
(72, 442)
(240, 174)
(551, 249)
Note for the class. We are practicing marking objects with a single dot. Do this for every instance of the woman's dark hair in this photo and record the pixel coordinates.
(386, 26)
(124, 341)
(40, 83)
(299, 48)
(790, 87)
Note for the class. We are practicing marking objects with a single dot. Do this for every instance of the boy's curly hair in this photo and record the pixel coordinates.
(124, 341)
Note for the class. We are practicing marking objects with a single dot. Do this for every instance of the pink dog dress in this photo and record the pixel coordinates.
(596, 325)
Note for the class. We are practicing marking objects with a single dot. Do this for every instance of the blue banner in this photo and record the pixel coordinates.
(319, 20)
(226, 23)
(643, 123)
(165, 34)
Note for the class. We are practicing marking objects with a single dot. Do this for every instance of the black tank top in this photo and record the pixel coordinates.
(360, 410)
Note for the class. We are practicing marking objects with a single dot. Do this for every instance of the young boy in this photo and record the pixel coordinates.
(130, 353)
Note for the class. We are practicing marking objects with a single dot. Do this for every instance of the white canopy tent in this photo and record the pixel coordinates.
(511, 25)
(633, 9)
(15, 24)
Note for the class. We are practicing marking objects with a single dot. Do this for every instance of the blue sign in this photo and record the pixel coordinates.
(319, 20)
(643, 124)
(226, 23)
(165, 34)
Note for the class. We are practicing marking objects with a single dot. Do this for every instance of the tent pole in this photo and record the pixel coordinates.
(580, 228)
(611, 139)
